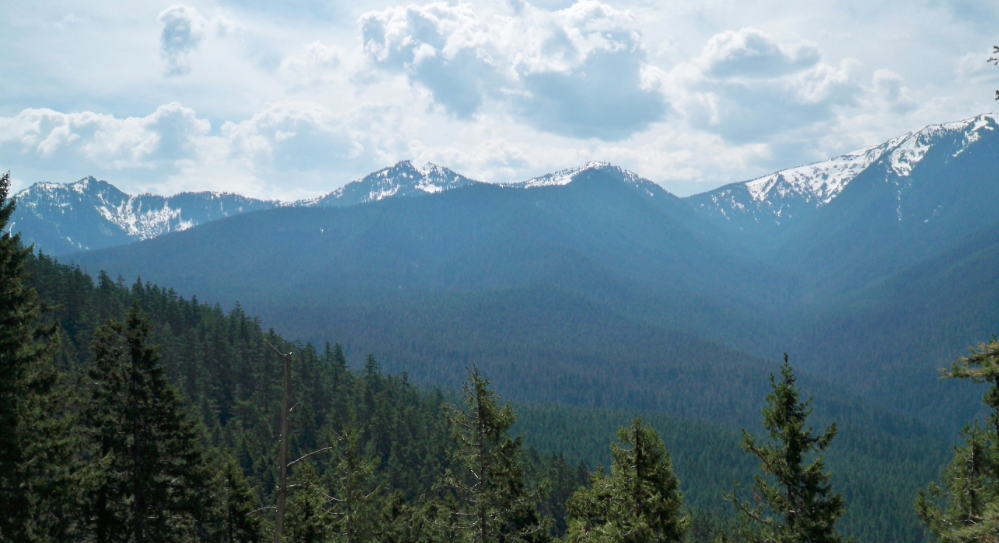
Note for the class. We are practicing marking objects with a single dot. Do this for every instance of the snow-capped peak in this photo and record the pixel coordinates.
(405, 178)
(564, 177)
(779, 196)
(910, 149)
(822, 181)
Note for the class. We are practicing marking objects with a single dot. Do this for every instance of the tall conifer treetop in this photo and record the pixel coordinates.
(154, 488)
(966, 507)
(34, 456)
(495, 504)
(639, 502)
(795, 502)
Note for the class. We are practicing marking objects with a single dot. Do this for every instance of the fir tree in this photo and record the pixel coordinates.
(151, 490)
(353, 502)
(638, 502)
(237, 510)
(970, 494)
(495, 505)
(34, 436)
(307, 520)
(795, 500)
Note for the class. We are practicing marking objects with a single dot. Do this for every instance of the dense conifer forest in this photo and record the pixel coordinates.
(130, 413)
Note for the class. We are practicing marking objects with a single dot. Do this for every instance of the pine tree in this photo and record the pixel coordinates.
(237, 511)
(970, 492)
(307, 520)
(799, 504)
(638, 502)
(353, 502)
(495, 505)
(152, 488)
(35, 442)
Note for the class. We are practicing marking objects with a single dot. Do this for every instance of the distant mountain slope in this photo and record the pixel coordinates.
(90, 214)
(924, 196)
(781, 198)
(923, 316)
(556, 289)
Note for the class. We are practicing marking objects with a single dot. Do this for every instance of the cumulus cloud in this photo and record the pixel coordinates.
(575, 72)
(315, 66)
(183, 31)
(172, 149)
(752, 53)
(747, 86)
(85, 140)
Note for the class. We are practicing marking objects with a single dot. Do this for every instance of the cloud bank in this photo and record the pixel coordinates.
(574, 72)
(288, 101)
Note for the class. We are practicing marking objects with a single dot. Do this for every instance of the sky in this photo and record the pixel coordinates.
(287, 100)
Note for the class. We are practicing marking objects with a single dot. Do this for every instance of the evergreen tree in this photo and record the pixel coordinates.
(638, 502)
(796, 501)
(494, 503)
(237, 510)
(353, 502)
(35, 442)
(307, 520)
(970, 492)
(152, 488)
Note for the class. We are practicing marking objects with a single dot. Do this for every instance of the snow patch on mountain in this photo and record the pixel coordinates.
(913, 146)
(564, 177)
(821, 181)
(779, 196)
(405, 178)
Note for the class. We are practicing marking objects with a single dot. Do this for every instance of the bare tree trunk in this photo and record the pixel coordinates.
(283, 461)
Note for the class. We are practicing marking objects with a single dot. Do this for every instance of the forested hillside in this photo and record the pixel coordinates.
(232, 382)
(597, 284)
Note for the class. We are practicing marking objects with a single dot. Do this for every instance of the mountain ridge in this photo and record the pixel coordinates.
(761, 208)
(769, 201)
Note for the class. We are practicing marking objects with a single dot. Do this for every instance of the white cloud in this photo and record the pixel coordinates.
(86, 140)
(748, 86)
(183, 31)
(317, 65)
(283, 143)
(313, 94)
(754, 54)
(576, 71)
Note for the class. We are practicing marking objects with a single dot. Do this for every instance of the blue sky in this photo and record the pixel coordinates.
(293, 99)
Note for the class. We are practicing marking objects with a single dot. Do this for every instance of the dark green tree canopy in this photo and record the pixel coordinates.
(35, 445)
(966, 507)
(154, 486)
(638, 502)
(493, 502)
(795, 501)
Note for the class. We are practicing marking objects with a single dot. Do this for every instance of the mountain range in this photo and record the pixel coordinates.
(595, 286)
(89, 214)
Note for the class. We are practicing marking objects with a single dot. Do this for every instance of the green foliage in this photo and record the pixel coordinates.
(355, 504)
(36, 490)
(153, 487)
(638, 502)
(236, 516)
(795, 502)
(494, 503)
(307, 520)
(966, 508)
(969, 495)
(232, 383)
